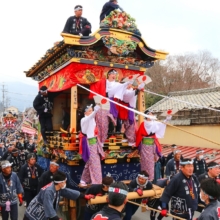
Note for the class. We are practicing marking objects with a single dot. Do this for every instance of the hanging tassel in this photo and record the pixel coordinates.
(8, 208)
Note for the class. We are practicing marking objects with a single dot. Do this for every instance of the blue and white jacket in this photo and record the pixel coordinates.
(42, 206)
(9, 192)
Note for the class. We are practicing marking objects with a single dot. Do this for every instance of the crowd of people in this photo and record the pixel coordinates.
(187, 182)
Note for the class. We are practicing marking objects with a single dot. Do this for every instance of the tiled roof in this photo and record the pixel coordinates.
(190, 152)
(180, 122)
(209, 97)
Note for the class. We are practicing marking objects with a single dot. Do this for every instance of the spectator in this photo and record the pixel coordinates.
(29, 175)
(173, 166)
(47, 177)
(199, 163)
(10, 189)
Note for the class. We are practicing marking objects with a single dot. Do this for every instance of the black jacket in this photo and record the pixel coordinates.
(133, 186)
(199, 166)
(31, 147)
(95, 189)
(29, 177)
(40, 104)
(71, 26)
(46, 178)
(5, 155)
(171, 156)
(16, 160)
(178, 192)
(203, 176)
(107, 9)
(107, 213)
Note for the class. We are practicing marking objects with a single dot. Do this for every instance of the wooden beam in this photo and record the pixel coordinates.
(73, 108)
(72, 210)
(141, 106)
(156, 191)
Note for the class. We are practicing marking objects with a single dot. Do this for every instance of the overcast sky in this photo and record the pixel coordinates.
(29, 28)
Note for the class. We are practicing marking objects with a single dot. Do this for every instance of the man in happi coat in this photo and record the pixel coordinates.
(117, 199)
(108, 7)
(137, 185)
(77, 25)
(111, 89)
(47, 176)
(147, 142)
(199, 163)
(44, 206)
(127, 116)
(10, 192)
(173, 166)
(213, 171)
(29, 176)
(183, 191)
(90, 148)
(97, 190)
(43, 104)
(209, 194)
(171, 154)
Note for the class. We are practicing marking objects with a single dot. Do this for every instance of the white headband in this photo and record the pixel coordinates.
(200, 151)
(214, 166)
(43, 90)
(118, 190)
(211, 197)
(6, 165)
(88, 107)
(143, 176)
(113, 72)
(60, 181)
(177, 151)
(54, 163)
(78, 8)
(186, 162)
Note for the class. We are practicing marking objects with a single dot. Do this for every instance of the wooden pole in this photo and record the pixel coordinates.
(72, 210)
(74, 106)
(201, 205)
(141, 106)
(156, 191)
(168, 214)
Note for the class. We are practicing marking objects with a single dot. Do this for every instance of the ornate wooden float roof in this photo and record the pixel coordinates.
(106, 47)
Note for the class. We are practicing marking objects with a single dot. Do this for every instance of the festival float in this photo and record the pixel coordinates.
(9, 120)
(69, 68)
(28, 125)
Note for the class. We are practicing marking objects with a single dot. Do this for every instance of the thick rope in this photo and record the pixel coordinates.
(196, 135)
(148, 208)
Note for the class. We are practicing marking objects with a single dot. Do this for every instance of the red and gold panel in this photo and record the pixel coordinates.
(78, 73)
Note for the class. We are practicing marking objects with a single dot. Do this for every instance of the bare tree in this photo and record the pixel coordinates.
(185, 72)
